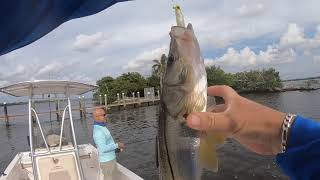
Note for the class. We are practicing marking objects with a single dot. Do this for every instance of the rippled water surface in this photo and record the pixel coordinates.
(137, 128)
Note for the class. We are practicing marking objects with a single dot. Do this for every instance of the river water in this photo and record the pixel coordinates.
(137, 128)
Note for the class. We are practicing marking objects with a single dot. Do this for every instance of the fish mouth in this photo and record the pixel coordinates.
(185, 115)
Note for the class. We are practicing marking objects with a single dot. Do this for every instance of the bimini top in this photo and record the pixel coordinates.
(41, 87)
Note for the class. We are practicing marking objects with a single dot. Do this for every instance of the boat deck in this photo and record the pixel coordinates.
(20, 167)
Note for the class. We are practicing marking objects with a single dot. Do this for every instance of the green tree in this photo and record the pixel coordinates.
(131, 82)
(216, 76)
(265, 80)
(272, 79)
(159, 66)
(154, 81)
(126, 83)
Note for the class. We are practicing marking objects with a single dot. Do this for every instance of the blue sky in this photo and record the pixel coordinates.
(236, 35)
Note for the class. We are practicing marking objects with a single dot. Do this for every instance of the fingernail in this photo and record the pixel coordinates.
(195, 121)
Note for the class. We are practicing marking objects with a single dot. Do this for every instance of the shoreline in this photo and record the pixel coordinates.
(238, 91)
(276, 90)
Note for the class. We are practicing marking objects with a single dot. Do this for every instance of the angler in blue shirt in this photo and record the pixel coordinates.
(294, 140)
(105, 144)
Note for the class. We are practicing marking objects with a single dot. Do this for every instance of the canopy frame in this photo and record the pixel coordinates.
(33, 88)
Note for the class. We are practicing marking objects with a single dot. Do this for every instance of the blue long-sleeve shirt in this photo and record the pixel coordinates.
(302, 157)
(104, 142)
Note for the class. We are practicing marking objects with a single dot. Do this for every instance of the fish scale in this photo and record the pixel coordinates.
(183, 152)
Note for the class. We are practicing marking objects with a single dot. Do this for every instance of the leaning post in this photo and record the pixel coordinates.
(80, 107)
(133, 97)
(33, 105)
(123, 100)
(100, 99)
(84, 110)
(106, 101)
(57, 109)
(138, 96)
(6, 117)
(118, 98)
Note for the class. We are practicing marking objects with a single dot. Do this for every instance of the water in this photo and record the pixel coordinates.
(310, 83)
(137, 128)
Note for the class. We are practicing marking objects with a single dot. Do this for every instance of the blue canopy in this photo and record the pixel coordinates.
(25, 21)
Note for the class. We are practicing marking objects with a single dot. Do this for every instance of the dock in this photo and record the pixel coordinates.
(85, 108)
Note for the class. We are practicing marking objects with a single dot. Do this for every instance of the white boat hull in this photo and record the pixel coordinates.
(20, 167)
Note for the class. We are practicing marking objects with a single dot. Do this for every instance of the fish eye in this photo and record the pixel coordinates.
(170, 60)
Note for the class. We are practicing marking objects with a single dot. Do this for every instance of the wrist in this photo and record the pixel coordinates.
(277, 132)
(285, 131)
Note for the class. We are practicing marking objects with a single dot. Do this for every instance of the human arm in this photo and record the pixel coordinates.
(301, 159)
(259, 129)
(255, 126)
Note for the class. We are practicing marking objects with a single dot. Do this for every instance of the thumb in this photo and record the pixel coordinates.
(206, 121)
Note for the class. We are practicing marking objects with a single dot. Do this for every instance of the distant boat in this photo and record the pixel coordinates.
(63, 162)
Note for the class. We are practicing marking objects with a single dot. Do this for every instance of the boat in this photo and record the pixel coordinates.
(68, 161)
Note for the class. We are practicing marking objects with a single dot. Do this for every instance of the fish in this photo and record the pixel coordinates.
(183, 153)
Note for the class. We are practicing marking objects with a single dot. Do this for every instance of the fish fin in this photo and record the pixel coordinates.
(216, 138)
(207, 152)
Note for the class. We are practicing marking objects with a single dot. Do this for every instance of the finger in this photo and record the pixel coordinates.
(257, 148)
(217, 108)
(223, 91)
(205, 121)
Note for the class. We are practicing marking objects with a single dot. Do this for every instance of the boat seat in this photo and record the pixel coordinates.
(26, 161)
(29, 173)
(58, 166)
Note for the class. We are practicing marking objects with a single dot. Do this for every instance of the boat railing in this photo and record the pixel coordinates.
(41, 131)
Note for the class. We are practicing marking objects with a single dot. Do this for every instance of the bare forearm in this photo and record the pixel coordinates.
(265, 123)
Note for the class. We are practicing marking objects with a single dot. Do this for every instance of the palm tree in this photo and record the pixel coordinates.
(159, 67)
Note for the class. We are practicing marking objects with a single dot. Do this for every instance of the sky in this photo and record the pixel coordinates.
(236, 35)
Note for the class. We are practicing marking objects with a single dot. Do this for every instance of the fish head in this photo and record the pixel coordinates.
(185, 80)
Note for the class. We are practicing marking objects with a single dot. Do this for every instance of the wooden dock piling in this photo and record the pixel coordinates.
(106, 101)
(33, 116)
(84, 111)
(58, 113)
(80, 107)
(6, 117)
(123, 103)
(138, 96)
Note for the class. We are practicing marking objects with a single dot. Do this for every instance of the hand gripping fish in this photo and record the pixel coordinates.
(180, 154)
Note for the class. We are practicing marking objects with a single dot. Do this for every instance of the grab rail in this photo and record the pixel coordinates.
(38, 122)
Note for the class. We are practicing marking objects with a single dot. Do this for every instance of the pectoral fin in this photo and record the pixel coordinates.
(207, 150)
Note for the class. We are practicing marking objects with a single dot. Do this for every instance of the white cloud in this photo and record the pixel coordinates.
(50, 68)
(293, 36)
(144, 61)
(291, 42)
(273, 55)
(20, 70)
(85, 42)
(79, 78)
(99, 61)
(250, 10)
(244, 57)
(247, 57)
